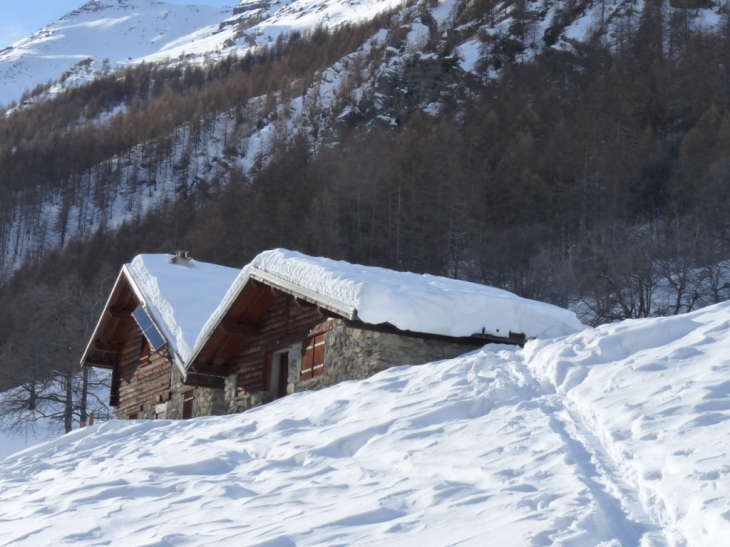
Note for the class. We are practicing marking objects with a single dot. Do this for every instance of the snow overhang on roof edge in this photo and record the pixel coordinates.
(283, 285)
(332, 304)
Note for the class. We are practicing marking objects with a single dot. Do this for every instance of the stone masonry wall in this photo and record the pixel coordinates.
(356, 354)
(351, 354)
(236, 403)
(206, 401)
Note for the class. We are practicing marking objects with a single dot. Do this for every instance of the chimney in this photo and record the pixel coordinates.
(181, 258)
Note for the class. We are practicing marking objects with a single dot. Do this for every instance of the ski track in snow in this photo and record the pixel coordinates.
(617, 436)
(621, 515)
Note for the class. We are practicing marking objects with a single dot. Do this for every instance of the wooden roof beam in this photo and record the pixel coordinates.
(239, 329)
(207, 369)
(108, 347)
(120, 313)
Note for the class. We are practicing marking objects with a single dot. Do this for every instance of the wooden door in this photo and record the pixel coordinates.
(283, 375)
(187, 412)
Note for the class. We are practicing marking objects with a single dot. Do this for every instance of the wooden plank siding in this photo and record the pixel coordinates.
(141, 383)
(283, 319)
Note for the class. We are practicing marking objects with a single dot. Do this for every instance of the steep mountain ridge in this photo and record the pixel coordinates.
(129, 32)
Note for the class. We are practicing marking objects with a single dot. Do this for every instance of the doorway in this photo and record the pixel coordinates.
(278, 374)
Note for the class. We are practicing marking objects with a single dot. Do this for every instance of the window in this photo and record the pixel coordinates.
(313, 358)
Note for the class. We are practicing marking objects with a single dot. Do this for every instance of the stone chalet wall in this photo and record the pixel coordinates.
(351, 354)
(206, 401)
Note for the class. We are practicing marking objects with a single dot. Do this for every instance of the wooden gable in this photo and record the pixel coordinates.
(138, 375)
(115, 326)
(261, 320)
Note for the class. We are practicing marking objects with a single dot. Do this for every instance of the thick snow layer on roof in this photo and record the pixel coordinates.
(418, 303)
(616, 436)
(180, 298)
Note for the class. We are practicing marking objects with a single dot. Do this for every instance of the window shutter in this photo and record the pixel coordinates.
(144, 357)
(313, 358)
(318, 363)
(307, 360)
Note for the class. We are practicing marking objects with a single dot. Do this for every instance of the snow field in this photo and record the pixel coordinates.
(655, 394)
(442, 454)
(616, 436)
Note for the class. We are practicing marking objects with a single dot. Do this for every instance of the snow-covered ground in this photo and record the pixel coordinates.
(11, 443)
(612, 436)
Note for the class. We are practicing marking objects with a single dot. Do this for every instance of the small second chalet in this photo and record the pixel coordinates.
(185, 338)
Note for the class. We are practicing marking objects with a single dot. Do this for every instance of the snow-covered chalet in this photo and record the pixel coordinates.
(185, 338)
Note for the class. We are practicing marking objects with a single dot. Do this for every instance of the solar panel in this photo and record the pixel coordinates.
(149, 329)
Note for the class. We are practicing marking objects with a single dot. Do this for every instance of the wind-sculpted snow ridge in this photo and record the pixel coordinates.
(655, 396)
(613, 436)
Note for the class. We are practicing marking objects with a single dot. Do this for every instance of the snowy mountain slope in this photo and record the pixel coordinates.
(118, 30)
(128, 32)
(376, 84)
(133, 31)
(137, 184)
(614, 436)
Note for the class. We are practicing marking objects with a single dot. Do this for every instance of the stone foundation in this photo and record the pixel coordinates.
(206, 401)
(356, 354)
(235, 403)
(351, 354)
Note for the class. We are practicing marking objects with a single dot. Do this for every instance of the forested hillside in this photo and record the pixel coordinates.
(593, 175)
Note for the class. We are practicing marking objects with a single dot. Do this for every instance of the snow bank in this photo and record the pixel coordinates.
(613, 436)
(655, 395)
(180, 298)
(458, 452)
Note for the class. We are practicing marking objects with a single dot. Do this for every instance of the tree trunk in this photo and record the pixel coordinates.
(84, 392)
(68, 403)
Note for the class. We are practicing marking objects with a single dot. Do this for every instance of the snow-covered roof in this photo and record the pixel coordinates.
(180, 298)
(411, 302)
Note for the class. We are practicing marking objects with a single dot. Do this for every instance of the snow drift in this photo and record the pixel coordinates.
(613, 436)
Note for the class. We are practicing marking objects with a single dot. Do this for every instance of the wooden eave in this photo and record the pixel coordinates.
(236, 328)
(321, 301)
(114, 324)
